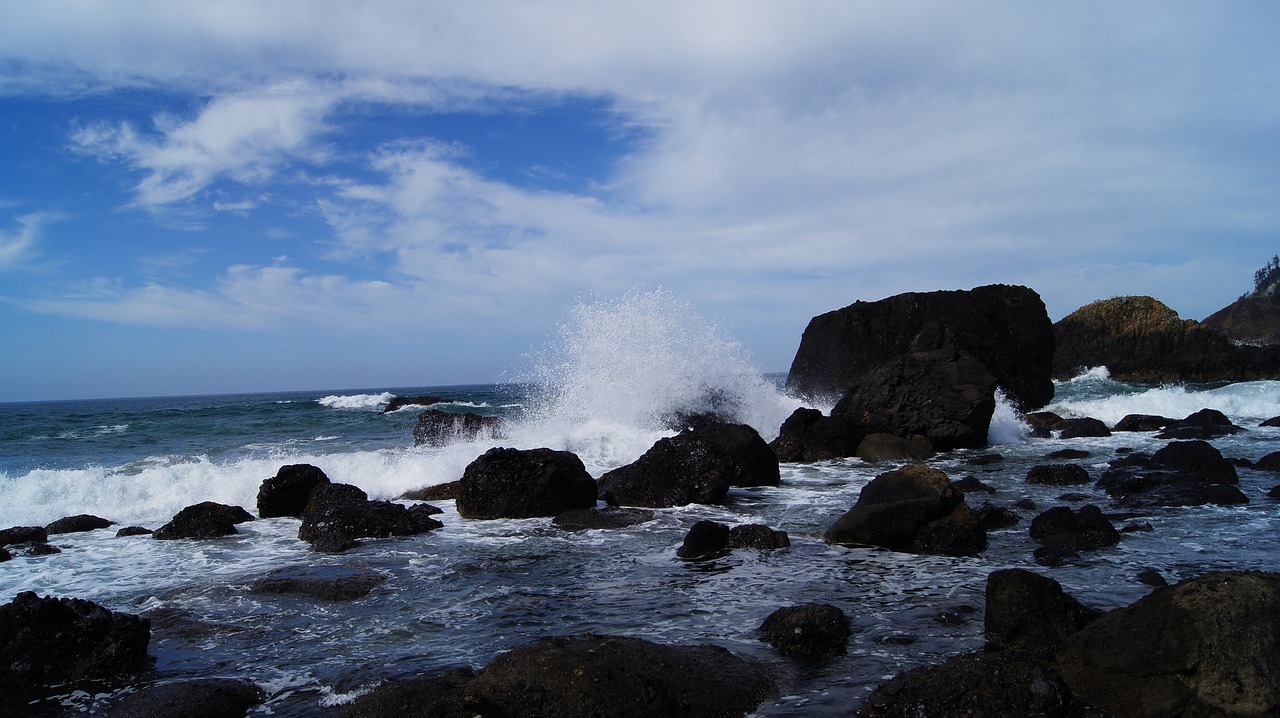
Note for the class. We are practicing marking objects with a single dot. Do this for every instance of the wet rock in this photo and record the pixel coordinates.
(1203, 424)
(684, 469)
(757, 536)
(914, 509)
(1084, 530)
(438, 696)
(1151, 577)
(1142, 527)
(49, 640)
(328, 583)
(334, 493)
(1068, 454)
(757, 463)
(133, 531)
(992, 517)
(438, 428)
(610, 518)
(288, 492)
(440, 492)
(197, 698)
(588, 675)
(5, 555)
(887, 447)
(23, 534)
(1273, 422)
(1183, 473)
(1270, 462)
(1043, 423)
(972, 485)
(1206, 646)
(204, 520)
(337, 517)
(1055, 556)
(399, 402)
(1274, 492)
(977, 685)
(1058, 475)
(77, 524)
(40, 549)
(1142, 422)
(810, 631)
(706, 539)
(1030, 613)
(524, 483)
(1084, 427)
(984, 459)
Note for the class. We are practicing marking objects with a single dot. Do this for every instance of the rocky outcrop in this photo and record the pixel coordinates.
(1030, 613)
(288, 492)
(437, 428)
(327, 583)
(49, 640)
(811, 631)
(197, 698)
(1182, 473)
(1006, 328)
(338, 515)
(1208, 646)
(1140, 339)
(590, 675)
(914, 509)
(204, 520)
(523, 483)
(1253, 319)
(77, 524)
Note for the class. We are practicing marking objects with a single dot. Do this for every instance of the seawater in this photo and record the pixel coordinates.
(473, 589)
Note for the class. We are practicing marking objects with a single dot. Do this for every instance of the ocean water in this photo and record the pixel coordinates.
(464, 593)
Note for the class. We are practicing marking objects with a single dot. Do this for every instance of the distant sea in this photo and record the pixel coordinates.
(464, 593)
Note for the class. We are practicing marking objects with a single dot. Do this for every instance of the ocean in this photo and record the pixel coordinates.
(464, 593)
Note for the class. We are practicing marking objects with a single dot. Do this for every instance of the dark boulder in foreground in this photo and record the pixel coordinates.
(328, 583)
(810, 631)
(197, 698)
(339, 514)
(49, 640)
(1208, 646)
(1003, 684)
(438, 696)
(1006, 328)
(77, 524)
(288, 492)
(524, 483)
(609, 518)
(1182, 473)
(204, 520)
(587, 676)
(437, 428)
(1030, 613)
(914, 509)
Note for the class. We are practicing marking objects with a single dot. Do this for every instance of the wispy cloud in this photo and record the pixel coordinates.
(17, 247)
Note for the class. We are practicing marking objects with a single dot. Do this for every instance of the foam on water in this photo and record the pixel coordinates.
(1095, 394)
(356, 401)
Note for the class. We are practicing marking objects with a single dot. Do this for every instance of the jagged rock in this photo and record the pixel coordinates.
(757, 536)
(399, 402)
(523, 483)
(1031, 613)
(77, 524)
(437, 428)
(588, 675)
(810, 631)
(609, 518)
(705, 539)
(23, 534)
(1006, 328)
(204, 520)
(1066, 528)
(438, 696)
(1142, 422)
(338, 515)
(49, 640)
(1183, 473)
(1058, 475)
(1082, 427)
(914, 509)
(329, 583)
(1208, 646)
(289, 491)
(196, 698)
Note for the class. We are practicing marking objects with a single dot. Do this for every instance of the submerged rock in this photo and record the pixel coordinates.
(329, 583)
(706, 539)
(523, 483)
(609, 518)
(1058, 475)
(399, 402)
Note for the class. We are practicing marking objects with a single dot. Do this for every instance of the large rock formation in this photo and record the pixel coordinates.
(1252, 319)
(1006, 328)
(523, 483)
(1140, 339)
(914, 509)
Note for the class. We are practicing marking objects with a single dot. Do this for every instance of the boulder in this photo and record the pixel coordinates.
(1139, 339)
(810, 631)
(1208, 646)
(1065, 528)
(1182, 473)
(438, 696)
(204, 520)
(808, 435)
(338, 515)
(758, 464)
(758, 536)
(77, 524)
(523, 483)
(1042, 423)
(977, 685)
(1270, 462)
(399, 402)
(947, 397)
(992, 517)
(1203, 424)
(586, 676)
(287, 493)
(705, 539)
(687, 468)
(1030, 613)
(133, 531)
(328, 583)
(45, 641)
(973, 485)
(1058, 475)
(914, 509)
(196, 698)
(1006, 328)
(887, 447)
(1142, 422)
(23, 534)
(437, 428)
(609, 518)
(1082, 427)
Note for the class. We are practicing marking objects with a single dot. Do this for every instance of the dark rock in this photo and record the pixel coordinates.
(41, 549)
(523, 483)
(1043, 423)
(1253, 319)
(1068, 454)
(887, 447)
(1143, 527)
(329, 583)
(440, 492)
(1183, 473)
(133, 531)
(197, 698)
(1272, 422)
(609, 518)
(399, 402)
(1208, 646)
(1203, 424)
(913, 509)
(1140, 339)
(335, 494)
(758, 465)
(1274, 492)
(706, 539)
(807, 435)
(1006, 328)
(1151, 577)
(1026, 505)
(757, 536)
(1066, 528)
(5, 555)
(992, 517)
(204, 520)
(790, 444)
(49, 640)
(1055, 556)
(437, 428)
(23, 534)
(977, 685)
(947, 397)
(684, 469)
(438, 696)
(289, 491)
(1084, 427)
(972, 485)
(587, 676)
(77, 524)
(336, 518)
(1030, 613)
(1058, 475)
(1075, 497)
(1142, 422)
(810, 631)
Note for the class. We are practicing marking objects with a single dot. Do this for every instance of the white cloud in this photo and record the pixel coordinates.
(18, 247)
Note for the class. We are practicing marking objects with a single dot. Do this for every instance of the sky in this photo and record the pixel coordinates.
(204, 197)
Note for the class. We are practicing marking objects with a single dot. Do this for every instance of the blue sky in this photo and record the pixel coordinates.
(248, 196)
